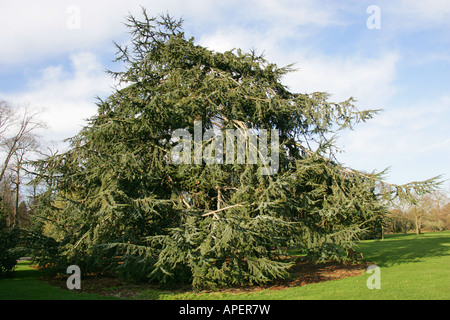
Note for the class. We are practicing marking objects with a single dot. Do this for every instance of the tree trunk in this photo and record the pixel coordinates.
(16, 203)
(418, 225)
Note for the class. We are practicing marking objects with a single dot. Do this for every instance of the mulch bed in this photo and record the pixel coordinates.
(307, 272)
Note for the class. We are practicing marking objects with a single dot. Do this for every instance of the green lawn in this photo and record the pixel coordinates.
(25, 285)
(412, 268)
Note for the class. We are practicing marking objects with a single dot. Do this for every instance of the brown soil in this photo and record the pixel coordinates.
(303, 273)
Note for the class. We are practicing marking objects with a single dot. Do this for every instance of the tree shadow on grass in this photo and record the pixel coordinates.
(399, 249)
(21, 271)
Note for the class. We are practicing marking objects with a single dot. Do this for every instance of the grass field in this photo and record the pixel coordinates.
(25, 285)
(412, 268)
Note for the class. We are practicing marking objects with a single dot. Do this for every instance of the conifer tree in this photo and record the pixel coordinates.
(120, 203)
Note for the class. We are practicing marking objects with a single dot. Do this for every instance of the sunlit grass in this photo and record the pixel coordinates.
(26, 285)
(412, 267)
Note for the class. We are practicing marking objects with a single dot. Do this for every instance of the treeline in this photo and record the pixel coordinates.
(431, 212)
(19, 143)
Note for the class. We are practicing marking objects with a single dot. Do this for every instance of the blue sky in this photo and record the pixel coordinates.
(54, 54)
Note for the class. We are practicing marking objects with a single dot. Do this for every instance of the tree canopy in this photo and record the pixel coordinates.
(116, 201)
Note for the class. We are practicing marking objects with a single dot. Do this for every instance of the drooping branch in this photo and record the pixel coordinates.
(222, 209)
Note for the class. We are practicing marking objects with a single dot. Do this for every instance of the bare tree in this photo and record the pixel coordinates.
(26, 125)
(6, 115)
(18, 138)
(27, 144)
(429, 212)
(399, 220)
(437, 218)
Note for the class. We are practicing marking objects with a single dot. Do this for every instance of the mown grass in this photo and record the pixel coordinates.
(26, 285)
(412, 268)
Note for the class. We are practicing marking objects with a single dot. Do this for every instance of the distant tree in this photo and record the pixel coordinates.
(429, 212)
(23, 215)
(23, 127)
(27, 144)
(433, 206)
(445, 216)
(400, 218)
(18, 139)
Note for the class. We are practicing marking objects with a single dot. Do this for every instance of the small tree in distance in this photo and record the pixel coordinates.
(120, 203)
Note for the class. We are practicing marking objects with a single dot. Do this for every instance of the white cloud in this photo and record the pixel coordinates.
(416, 15)
(368, 80)
(437, 11)
(409, 137)
(67, 96)
(42, 29)
(33, 30)
(294, 13)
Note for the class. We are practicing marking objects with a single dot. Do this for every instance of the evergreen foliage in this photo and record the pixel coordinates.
(117, 203)
(9, 238)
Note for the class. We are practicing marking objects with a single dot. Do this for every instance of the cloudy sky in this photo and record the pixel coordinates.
(393, 55)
